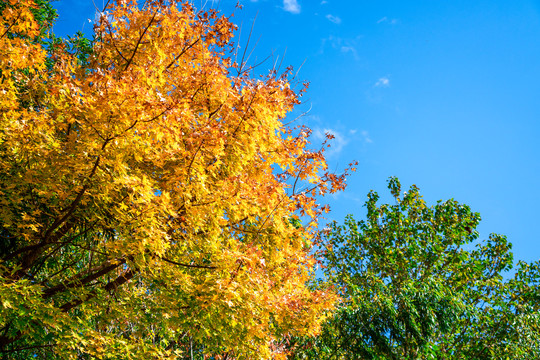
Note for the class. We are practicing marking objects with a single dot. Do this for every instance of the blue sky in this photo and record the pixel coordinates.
(442, 94)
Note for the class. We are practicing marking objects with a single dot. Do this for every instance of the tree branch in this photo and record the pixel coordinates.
(188, 265)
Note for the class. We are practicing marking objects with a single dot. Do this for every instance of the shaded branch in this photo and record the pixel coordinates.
(79, 280)
(188, 265)
(111, 286)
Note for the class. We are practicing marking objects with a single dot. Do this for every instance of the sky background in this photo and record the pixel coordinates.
(442, 94)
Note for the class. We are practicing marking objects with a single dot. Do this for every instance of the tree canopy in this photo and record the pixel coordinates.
(418, 284)
(148, 190)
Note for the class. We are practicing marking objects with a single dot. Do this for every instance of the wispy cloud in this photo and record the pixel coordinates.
(362, 137)
(334, 19)
(324, 2)
(365, 137)
(336, 144)
(291, 6)
(376, 93)
(386, 20)
(341, 138)
(383, 82)
(349, 49)
(346, 46)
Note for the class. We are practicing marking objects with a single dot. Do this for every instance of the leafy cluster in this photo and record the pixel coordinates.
(146, 184)
(417, 284)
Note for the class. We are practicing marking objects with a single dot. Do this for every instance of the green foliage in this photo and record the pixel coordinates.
(416, 284)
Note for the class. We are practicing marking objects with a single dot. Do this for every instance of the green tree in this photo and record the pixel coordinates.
(417, 284)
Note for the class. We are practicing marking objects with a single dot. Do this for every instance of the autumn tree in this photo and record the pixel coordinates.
(418, 284)
(147, 189)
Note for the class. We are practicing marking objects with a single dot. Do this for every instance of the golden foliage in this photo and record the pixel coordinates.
(147, 195)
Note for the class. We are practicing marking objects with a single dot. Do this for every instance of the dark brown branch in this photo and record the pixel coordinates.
(112, 41)
(235, 273)
(111, 286)
(23, 250)
(60, 246)
(182, 53)
(75, 202)
(10, 26)
(79, 280)
(245, 231)
(215, 111)
(70, 210)
(27, 348)
(269, 215)
(192, 160)
(49, 277)
(140, 40)
(144, 121)
(196, 92)
(157, 116)
(245, 114)
(188, 265)
(62, 231)
(37, 249)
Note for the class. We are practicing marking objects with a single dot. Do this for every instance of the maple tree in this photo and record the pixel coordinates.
(148, 190)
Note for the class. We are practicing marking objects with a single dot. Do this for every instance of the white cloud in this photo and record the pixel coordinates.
(383, 82)
(336, 144)
(334, 19)
(291, 6)
(347, 49)
(386, 20)
(365, 137)
(324, 2)
(341, 139)
(346, 46)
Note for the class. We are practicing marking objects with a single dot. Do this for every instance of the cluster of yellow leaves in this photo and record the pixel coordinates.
(174, 179)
